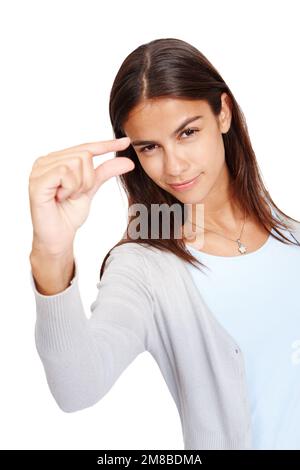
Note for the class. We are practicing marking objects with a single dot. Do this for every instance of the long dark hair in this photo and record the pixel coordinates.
(171, 67)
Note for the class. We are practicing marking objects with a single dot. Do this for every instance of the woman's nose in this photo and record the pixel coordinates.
(174, 164)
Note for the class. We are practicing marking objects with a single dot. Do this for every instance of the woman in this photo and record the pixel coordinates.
(223, 331)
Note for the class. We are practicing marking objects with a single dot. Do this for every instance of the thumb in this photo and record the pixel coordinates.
(113, 167)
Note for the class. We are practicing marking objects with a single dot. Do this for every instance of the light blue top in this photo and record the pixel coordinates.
(254, 296)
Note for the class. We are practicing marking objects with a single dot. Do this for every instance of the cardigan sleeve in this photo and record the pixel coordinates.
(83, 357)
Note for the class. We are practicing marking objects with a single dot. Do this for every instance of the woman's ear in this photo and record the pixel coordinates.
(225, 114)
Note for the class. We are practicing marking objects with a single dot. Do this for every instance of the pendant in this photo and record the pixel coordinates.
(242, 248)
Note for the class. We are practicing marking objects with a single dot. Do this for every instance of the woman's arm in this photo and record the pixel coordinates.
(83, 357)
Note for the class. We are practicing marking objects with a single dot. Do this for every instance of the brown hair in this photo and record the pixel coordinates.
(171, 67)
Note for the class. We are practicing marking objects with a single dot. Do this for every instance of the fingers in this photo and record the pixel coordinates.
(83, 169)
(96, 148)
(43, 162)
(110, 168)
(75, 166)
(43, 189)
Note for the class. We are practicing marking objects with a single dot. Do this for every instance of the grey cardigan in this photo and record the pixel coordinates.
(147, 301)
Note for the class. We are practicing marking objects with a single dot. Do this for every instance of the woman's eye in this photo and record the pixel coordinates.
(190, 130)
(148, 148)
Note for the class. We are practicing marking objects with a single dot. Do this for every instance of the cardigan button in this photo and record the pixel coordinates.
(237, 351)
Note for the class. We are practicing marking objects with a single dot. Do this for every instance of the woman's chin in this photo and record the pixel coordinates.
(190, 198)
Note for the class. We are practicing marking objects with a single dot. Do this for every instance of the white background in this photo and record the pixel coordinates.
(58, 62)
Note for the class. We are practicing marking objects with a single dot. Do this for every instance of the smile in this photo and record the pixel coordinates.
(187, 185)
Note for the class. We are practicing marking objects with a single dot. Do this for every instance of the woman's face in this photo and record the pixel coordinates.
(170, 156)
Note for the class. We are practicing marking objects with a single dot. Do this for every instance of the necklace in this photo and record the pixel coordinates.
(241, 246)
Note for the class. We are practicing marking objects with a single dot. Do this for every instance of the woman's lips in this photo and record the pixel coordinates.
(180, 187)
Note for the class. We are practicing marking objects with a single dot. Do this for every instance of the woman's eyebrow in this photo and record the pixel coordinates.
(137, 143)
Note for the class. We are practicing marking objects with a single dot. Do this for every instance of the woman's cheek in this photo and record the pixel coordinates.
(152, 168)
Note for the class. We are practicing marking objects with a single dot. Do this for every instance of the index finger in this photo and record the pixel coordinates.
(98, 148)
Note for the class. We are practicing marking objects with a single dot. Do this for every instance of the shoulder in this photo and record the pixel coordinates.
(140, 249)
(131, 256)
(141, 255)
(125, 266)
